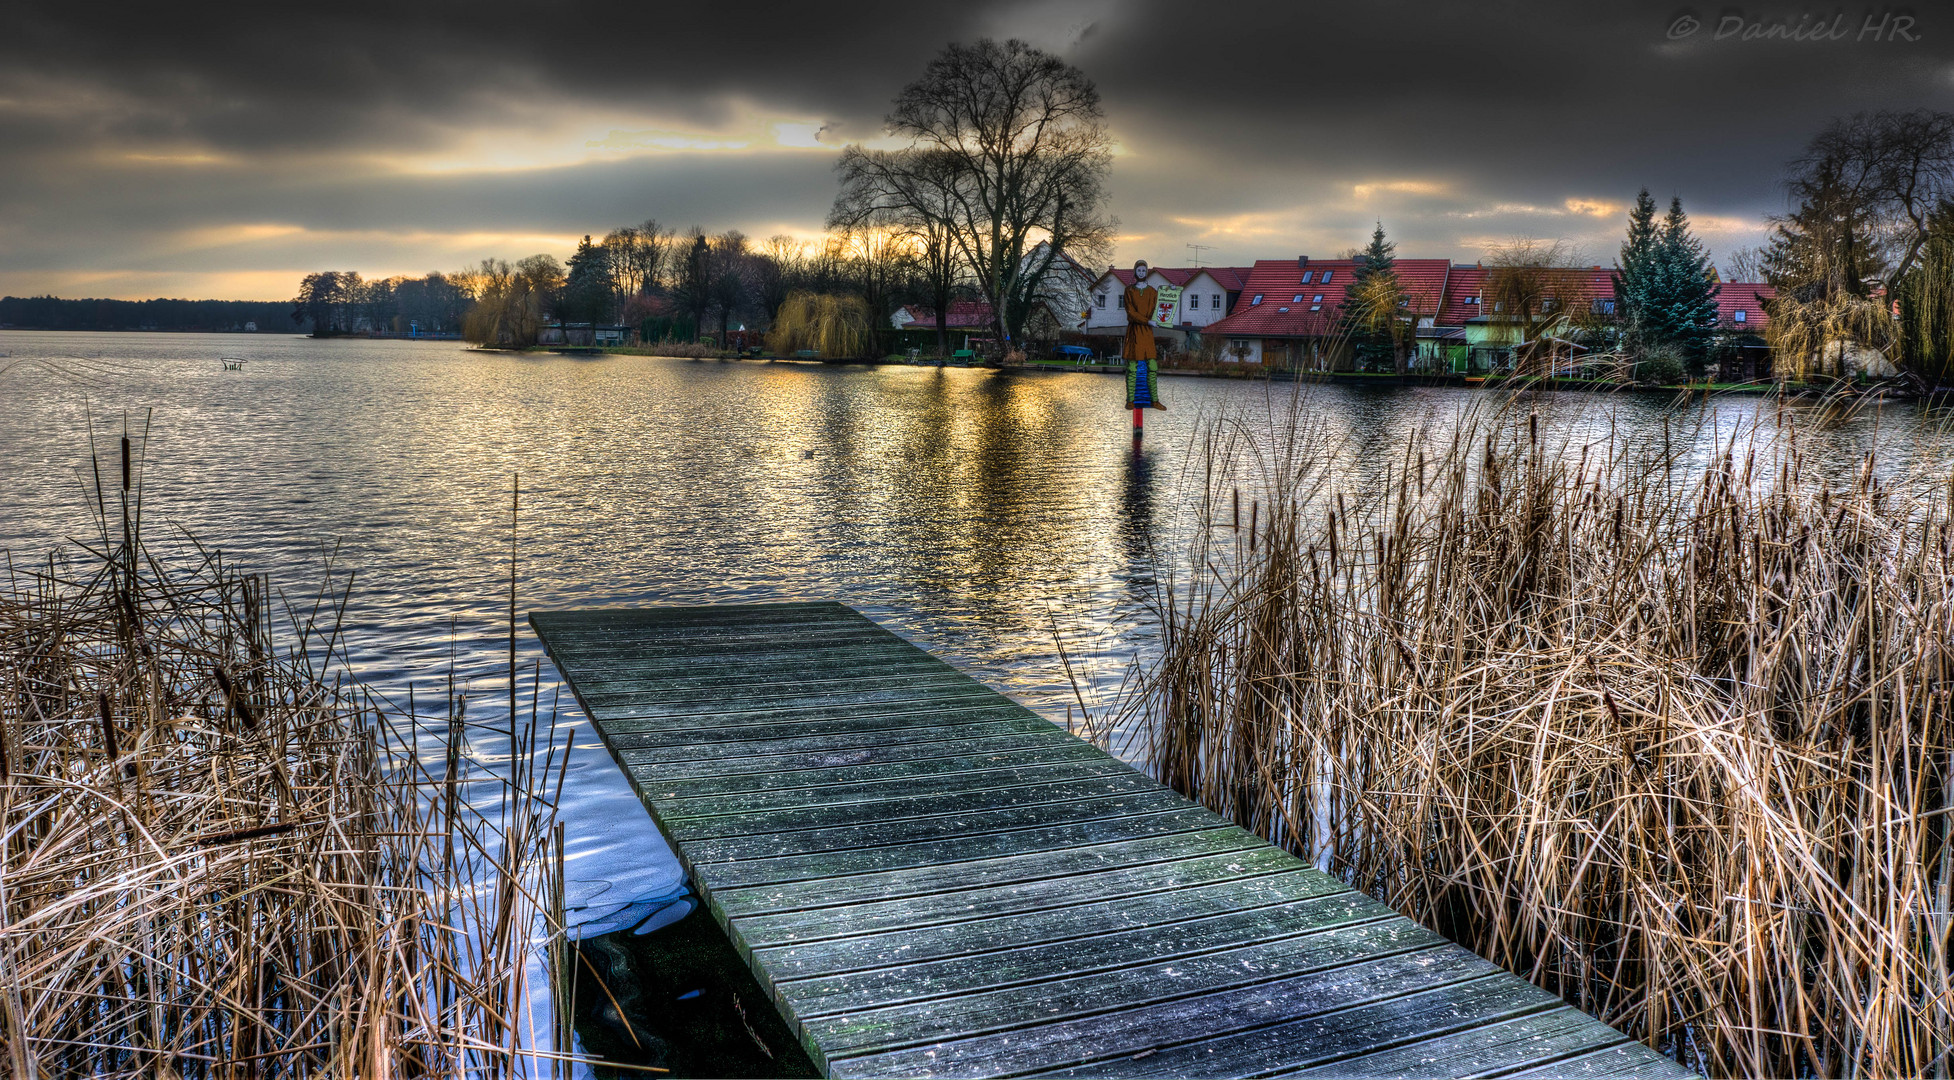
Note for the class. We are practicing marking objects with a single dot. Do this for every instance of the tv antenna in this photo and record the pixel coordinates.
(1198, 249)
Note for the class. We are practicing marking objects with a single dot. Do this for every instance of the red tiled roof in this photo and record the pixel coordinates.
(1463, 283)
(1172, 275)
(1279, 282)
(1231, 278)
(1580, 288)
(1423, 281)
(1749, 296)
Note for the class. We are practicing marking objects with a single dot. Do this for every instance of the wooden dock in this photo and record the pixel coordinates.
(932, 880)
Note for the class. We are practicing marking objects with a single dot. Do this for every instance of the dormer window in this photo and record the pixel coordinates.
(1740, 316)
(1326, 276)
(1316, 307)
(1297, 299)
(1257, 300)
(1317, 299)
(1306, 275)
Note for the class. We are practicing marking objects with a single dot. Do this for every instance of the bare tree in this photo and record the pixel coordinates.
(1533, 292)
(731, 282)
(1862, 195)
(1744, 264)
(1022, 139)
(637, 257)
(779, 267)
(913, 193)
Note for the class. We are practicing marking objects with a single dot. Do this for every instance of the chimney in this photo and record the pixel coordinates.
(1302, 261)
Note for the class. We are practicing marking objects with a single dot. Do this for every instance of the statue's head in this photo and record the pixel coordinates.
(1140, 270)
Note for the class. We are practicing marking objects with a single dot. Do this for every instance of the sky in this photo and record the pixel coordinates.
(224, 150)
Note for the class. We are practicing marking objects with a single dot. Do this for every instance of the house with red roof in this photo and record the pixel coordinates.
(961, 317)
(1206, 295)
(1289, 311)
(1742, 352)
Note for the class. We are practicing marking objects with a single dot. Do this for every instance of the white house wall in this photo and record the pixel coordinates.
(1213, 306)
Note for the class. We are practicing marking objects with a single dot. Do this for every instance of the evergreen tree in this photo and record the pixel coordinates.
(1664, 292)
(1681, 306)
(1378, 258)
(1372, 303)
(587, 293)
(1635, 269)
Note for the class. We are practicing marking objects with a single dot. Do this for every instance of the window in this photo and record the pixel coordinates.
(1740, 316)
(1316, 307)
(1214, 301)
(1317, 299)
(1257, 300)
(1306, 275)
(1298, 298)
(1548, 304)
(1325, 279)
(1100, 299)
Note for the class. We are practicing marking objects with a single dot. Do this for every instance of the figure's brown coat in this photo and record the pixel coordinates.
(1140, 302)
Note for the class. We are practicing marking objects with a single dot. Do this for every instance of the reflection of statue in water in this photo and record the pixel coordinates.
(1142, 387)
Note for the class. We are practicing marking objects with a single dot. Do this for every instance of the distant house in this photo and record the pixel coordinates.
(1741, 351)
(1055, 306)
(1290, 310)
(963, 316)
(1106, 312)
(1207, 295)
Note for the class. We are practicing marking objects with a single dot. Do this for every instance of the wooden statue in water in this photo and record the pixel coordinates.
(1142, 387)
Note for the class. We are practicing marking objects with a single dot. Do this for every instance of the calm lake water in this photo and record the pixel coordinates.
(971, 511)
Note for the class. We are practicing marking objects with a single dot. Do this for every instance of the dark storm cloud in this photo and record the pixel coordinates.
(137, 136)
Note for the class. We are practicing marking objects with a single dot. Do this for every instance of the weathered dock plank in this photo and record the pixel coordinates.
(931, 880)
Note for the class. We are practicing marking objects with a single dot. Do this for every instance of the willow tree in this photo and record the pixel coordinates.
(1925, 296)
(1862, 195)
(1532, 295)
(1021, 140)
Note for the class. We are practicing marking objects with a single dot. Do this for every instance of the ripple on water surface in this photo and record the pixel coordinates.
(968, 510)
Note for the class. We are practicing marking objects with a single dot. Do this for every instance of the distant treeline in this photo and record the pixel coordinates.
(54, 313)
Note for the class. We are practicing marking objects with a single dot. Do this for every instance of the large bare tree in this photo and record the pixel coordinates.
(1008, 146)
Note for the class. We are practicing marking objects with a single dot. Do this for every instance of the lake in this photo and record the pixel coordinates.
(976, 512)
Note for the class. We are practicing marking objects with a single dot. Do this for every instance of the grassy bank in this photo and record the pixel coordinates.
(1675, 742)
(219, 859)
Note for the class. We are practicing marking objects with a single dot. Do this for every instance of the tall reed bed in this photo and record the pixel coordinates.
(1673, 740)
(220, 859)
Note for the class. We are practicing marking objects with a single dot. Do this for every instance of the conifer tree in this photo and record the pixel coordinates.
(587, 295)
(1634, 270)
(1663, 287)
(1681, 306)
(1371, 304)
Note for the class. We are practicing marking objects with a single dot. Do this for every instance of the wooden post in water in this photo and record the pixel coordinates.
(1139, 422)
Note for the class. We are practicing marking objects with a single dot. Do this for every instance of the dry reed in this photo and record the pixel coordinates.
(1675, 742)
(221, 859)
